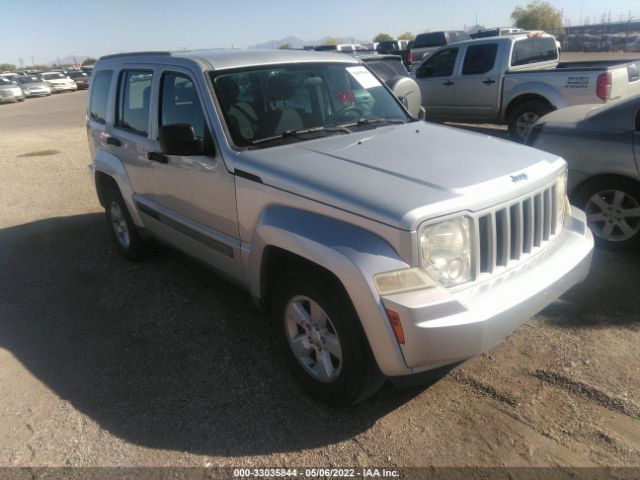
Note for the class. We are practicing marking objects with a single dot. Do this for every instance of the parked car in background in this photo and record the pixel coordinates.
(59, 82)
(379, 246)
(391, 70)
(397, 47)
(87, 69)
(496, 32)
(426, 43)
(32, 85)
(80, 77)
(341, 47)
(601, 144)
(515, 80)
(10, 91)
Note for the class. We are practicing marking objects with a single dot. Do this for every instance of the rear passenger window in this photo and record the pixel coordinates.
(479, 59)
(99, 96)
(134, 93)
(180, 103)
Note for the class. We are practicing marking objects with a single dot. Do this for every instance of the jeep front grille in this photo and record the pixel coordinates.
(510, 232)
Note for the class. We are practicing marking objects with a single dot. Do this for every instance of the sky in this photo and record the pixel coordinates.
(50, 29)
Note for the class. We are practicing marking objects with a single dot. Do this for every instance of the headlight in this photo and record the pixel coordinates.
(561, 201)
(445, 250)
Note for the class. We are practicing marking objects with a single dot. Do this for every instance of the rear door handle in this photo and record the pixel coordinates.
(488, 81)
(113, 141)
(448, 83)
(157, 157)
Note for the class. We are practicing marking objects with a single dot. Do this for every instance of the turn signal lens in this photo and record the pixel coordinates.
(396, 325)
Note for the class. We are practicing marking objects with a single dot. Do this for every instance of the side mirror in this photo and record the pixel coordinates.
(180, 139)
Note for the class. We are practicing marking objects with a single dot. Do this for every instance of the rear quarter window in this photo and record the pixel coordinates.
(100, 95)
(533, 50)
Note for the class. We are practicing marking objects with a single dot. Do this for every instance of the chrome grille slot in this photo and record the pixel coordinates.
(509, 232)
(537, 219)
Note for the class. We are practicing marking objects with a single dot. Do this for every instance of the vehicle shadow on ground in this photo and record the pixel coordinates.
(607, 297)
(162, 353)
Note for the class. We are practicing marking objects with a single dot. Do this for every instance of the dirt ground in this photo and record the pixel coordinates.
(162, 363)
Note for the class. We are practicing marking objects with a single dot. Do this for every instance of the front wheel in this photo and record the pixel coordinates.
(524, 116)
(322, 340)
(612, 206)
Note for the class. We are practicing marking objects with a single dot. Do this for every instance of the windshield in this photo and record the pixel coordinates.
(266, 102)
(6, 81)
(77, 74)
(53, 76)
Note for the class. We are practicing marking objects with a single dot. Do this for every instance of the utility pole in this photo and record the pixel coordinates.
(33, 62)
(21, 60)
(581, 10)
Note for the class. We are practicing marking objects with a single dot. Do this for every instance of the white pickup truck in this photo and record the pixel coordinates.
(515, 80)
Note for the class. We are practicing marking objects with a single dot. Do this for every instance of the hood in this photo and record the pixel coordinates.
(28, 86)
(403, 174)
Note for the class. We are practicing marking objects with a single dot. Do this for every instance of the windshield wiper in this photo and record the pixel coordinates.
(301, 131)
(371, 121)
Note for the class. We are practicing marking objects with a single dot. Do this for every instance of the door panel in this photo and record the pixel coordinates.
(438, 88)
(129, 139)
(196, 194)
(478, 83)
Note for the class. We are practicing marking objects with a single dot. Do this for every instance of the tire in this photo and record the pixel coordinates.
(123, 231)
(612, 205)
(524, 115)
(348, 373)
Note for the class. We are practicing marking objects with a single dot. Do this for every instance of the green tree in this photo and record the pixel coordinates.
(330, 41)
(407, 36)
(89, 61)
(382, 37)
(7, 66)
(284, 46)
(539, 15)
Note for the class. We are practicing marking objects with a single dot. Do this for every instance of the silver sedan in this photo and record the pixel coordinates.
(601, 144)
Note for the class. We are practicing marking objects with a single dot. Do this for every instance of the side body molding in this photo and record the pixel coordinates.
(352, 254)
(107, 163)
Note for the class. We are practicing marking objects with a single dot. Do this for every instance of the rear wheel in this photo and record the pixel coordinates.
(524, 116)
(121, 227)
(612, 206)
(322, 340)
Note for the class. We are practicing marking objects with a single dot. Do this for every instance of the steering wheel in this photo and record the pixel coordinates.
(349, 113)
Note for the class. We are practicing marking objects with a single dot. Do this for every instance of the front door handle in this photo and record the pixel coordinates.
(113, 141)
(488, 81)
(157, 157)
(448, 83)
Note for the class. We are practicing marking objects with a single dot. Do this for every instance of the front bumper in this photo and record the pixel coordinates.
(64, 88)
(442, 328)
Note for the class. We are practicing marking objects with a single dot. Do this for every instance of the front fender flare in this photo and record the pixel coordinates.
(352, 254)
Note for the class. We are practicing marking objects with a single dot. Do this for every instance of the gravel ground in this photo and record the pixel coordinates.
(162, 363)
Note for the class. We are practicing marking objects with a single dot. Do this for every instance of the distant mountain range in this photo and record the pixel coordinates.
(68, 60)
(295, 42)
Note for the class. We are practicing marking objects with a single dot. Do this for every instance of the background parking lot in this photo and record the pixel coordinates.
(105, 362)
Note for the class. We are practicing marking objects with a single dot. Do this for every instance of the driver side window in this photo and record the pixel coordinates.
(440, 65)
(180, 103)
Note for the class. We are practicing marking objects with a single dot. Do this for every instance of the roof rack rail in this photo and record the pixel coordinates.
(133, 54)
